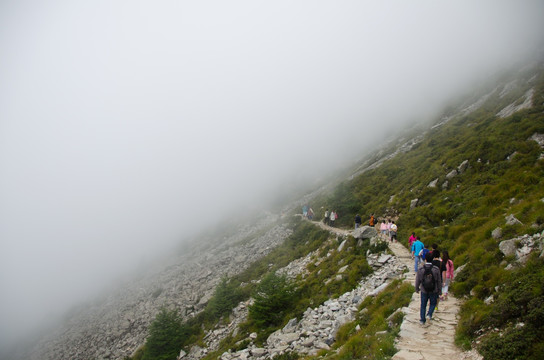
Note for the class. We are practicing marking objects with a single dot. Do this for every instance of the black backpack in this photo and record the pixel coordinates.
(428, 279)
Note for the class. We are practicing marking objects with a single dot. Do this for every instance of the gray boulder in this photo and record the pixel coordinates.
(364, 232)
(511, 220)
(497, 233)
(462, 167)
(451, 174)
(508, 247)
(433, 183)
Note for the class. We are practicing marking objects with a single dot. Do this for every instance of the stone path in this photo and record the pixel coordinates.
(416, 342)
(435, 340)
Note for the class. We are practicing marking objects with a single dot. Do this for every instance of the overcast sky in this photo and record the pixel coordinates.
(126, 124)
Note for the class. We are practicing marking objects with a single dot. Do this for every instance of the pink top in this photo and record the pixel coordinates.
(383, 226)
(449, 269)
(411, 240)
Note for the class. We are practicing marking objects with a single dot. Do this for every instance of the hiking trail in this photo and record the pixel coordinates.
(433, 341)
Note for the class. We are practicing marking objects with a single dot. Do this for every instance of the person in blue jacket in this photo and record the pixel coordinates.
(417, 246)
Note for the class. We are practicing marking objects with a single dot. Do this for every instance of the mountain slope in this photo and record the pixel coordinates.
(471, 183)
(453, 182)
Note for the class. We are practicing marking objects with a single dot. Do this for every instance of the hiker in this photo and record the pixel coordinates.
(417, 246)
(372, 220)
(447, 274)
(383, 228)
(358, 221)
(429, 283)
(437, 262)
(333, 217)
(411, 240)
(389, 228)
(310, 214)
(305, 211)
(326, 217)
(393, 232)
(424, 252)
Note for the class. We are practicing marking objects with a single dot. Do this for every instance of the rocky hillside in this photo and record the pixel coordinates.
(471, 181)
(117, 325)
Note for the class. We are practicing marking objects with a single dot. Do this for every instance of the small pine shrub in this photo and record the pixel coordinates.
(165, 336)
(273, 297)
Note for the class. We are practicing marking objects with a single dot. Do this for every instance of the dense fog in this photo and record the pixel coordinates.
(127, 126)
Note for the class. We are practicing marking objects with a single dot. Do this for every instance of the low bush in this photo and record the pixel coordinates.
(273, 299)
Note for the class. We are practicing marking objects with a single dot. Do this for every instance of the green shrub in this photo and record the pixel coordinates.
(273, 297)
(226, 296)
(290, 355)
(510, 344)
(165, 336)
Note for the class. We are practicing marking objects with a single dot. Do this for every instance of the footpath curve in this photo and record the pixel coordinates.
(435, 340)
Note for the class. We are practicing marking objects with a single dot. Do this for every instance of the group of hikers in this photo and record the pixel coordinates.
(388, 228)
(433, 275)
(307, 212)
(433, 272)
(330, 217)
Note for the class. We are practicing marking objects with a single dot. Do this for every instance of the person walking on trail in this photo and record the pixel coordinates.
(393, 232)
(429, 284)
(411, 239)
(447, 274)
(383, 228)
(372, 220)
(423, 253)
(326, 217)
(310, 214)
(389, 228)
(437, 262)
(358, 221)
(333, 217)
(417, 246)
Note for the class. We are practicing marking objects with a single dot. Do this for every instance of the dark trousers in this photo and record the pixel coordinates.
(426, 297)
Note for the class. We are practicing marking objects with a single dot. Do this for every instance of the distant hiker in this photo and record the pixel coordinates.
(393, 232)
(372, 220)
(358, 221)
(429, 283)
(447, 274)
(333, 217)
(326, 217)
(310, 214)
(412, 239)
(417, 246)
(383, 227)
(305, 211)
(389, 227)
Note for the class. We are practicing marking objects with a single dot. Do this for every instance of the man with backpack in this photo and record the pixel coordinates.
(429, 282)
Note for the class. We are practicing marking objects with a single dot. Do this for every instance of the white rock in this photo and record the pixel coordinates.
(451, 174)
(511, 220)
(258, 352)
